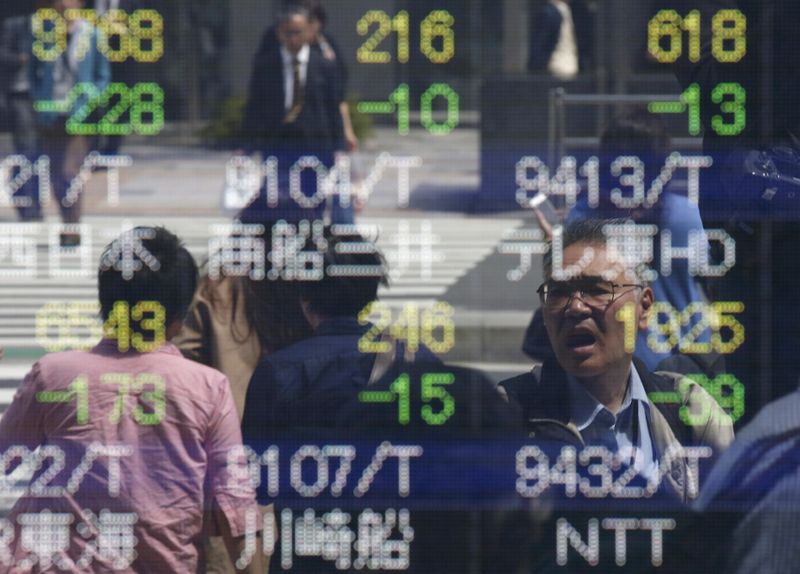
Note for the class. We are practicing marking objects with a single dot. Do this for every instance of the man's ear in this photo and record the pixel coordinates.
(645, 304)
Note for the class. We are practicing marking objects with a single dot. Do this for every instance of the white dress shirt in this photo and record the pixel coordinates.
(288, 72)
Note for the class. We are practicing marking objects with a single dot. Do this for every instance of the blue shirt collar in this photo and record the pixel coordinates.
(584, 408)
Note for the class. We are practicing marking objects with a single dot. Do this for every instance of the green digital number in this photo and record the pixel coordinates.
(426, 109)
(399, 103)
(143, 103)
(432, 389)
(128, 385)
(155, 396)
(731, 98)
(78, 389)
(438, 404)
(725, 390)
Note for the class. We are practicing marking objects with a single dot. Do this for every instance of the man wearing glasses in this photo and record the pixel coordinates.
(595, 392)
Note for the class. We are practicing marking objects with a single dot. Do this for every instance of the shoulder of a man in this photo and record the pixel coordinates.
(525, 389)
(694, 416)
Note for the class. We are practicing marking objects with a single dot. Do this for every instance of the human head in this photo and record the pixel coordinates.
(594, 340)
(638, 133)
(344, 293)
(163, 271)
(293, 27)
(271, 307)
(318, 17)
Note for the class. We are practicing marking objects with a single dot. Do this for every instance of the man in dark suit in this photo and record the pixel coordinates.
(292, 112)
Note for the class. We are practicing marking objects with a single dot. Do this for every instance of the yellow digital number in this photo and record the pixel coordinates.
(84, 43)
(139, 35)
(439, 316)
(406, 327)
(721, 319)
(62, 326)
(665, 24)
(147, 36)
(379, 315)
(118, 326)
(367, 52)
(436, 28)
(663, 335)
(156, 324)
(665, 322)
(432, 327)
(438, 24)
(114, 24)
(729, 36)
(627, 316)
(689, 342)
(49, 34)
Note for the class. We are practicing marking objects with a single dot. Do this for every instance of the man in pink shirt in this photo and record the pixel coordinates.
(134, 440)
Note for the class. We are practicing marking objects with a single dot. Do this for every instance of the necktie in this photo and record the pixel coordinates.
(297, 93)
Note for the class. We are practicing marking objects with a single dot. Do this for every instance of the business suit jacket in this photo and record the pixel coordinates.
(545, 31)
(317, 130)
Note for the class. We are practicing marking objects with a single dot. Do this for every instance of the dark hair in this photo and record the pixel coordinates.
(317, 11)
(271, 307)
(291, 9)
(342, 293)
(313, 9)
(588, 231)
(161, 270)
(636, 132)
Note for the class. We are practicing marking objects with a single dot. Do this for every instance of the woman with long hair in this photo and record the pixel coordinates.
(235, 321)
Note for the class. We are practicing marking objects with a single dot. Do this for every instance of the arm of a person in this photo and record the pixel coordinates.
(257, 405)
(232, 493)
(333, 100)
(22, 423)
(347, 122)
(102, 66)
(258, 561)
(254, 120)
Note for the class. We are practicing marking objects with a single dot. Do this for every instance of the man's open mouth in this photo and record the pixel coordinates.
(580, 339)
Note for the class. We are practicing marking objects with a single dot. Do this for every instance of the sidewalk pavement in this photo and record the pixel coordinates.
(491, 312)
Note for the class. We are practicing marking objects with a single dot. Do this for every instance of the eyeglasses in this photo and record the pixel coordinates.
(596, 294)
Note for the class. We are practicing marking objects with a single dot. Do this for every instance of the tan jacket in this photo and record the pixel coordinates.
(211, 336)
(682, 414)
